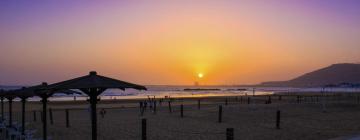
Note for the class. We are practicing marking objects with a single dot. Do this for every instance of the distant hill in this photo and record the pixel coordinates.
(333, 75)
(9, 87)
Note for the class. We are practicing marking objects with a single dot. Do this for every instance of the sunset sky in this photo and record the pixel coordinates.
(173, 41)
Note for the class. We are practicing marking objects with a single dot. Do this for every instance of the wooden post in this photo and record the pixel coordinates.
(170, 111)
(67, 118)
(317, 98)
(199, 103)
(23, 101)
(248, 101)
(41, 116)
(51, 116)
(143, 129)
(44, 103)
(182, 110)
(298, 99)
(279, 97)
(278, 119)
(241, 99)
(34, 112)
(142, 111)
(220, 114)
(269, 99)
(140, 106)
(10, 111)
(253, 92)
(229, 133)
(226, 101)
(93, 102)
(154, 107)
(2, 108)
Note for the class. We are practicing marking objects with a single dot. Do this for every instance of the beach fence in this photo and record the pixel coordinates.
(278, 119)
(220, 114)
(182, 110)
(229, 134)
(51, 116)
(295, 99)
(34, 114)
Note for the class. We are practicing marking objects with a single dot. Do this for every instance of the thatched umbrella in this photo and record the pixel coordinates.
(10, 96)
(44, 92)
(93, 85)
(23, 96)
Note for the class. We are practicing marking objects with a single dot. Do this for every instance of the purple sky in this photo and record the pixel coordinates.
(170, 42)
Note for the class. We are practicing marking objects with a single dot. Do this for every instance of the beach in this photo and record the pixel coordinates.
(304, 120)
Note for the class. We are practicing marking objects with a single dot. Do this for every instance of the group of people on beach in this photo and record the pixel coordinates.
(151, 103)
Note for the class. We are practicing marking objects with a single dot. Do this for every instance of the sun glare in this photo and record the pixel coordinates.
(200, 75)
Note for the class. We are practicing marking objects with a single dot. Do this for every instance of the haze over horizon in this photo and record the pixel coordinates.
(173, 42)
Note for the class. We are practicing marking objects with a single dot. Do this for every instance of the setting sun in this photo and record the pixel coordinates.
(200, 75)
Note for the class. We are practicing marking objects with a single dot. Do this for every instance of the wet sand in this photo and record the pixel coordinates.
(308, 120)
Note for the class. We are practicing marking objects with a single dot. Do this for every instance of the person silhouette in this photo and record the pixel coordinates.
(102, 113)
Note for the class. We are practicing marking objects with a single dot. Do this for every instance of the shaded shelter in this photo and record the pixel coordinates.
(23, 94)
(93, 85)
(44, 92)
(23, 97)
(10, 96)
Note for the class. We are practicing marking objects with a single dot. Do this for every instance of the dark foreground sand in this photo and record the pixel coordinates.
(256, 121)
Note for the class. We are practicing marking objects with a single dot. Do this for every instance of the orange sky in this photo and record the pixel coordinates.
(172, 42)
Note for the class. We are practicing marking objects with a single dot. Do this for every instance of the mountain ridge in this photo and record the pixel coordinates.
(332, 75)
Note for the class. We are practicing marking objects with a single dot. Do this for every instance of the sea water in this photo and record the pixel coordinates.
(167, 92)
(179, 92)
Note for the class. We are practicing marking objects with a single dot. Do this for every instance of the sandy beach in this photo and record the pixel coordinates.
(307, 120)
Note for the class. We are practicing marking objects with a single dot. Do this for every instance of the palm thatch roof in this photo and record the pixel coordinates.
(40, 90)
(24, 92)
(10, 94)
(2, 93)
(95, 81)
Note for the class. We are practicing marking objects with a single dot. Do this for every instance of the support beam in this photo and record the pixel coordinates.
(44, 102)
(2, 108)
(67, 118)
(10, 111)
(143, 129)
(23, 101)
(93, 102)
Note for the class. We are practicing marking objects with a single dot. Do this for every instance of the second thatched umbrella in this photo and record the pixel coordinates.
(93, 85)
(44, 92)
(10, 96)
(23, 94)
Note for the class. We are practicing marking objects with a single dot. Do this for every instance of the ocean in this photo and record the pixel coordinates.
(192, 91)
